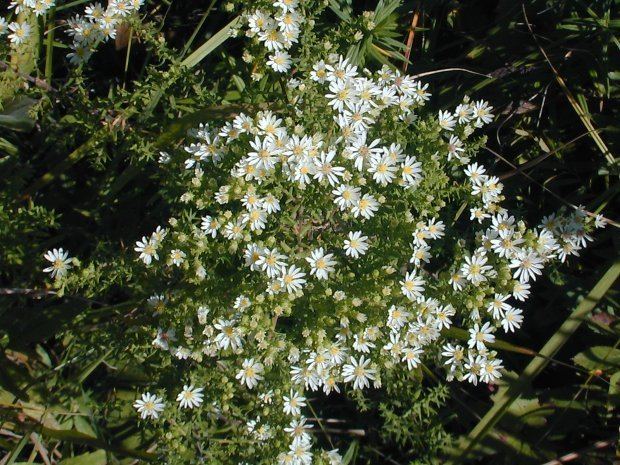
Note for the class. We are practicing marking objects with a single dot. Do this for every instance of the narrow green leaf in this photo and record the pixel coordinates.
(214, 42)
(348, 456)
(599, 358)
(92, 367)
(90, 458)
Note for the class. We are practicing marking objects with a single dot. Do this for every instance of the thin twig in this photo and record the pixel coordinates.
(31, 292)
(446, 70)
(414, 24)
(585, 119)
(561, 199)
(530, 164)
(579, 454)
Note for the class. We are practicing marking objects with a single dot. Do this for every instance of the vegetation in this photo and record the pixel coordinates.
(125, 156)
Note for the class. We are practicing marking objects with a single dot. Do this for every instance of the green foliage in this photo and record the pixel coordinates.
(79, 150)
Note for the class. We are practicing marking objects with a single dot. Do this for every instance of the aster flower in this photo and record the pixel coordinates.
(149, 405)
(60, 262)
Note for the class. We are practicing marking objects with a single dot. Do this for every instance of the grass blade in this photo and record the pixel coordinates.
(214, 42)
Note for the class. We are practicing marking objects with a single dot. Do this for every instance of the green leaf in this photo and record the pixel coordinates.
(214, 42)
(16, 115)
(614, 389)
(599, 358)
(348, 456)
(90, 458)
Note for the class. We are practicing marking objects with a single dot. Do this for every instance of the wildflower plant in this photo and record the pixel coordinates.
(340, 234)
(86, 30)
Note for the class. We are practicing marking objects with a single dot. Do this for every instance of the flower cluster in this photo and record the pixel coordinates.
(343, 224)
(97, 24)
(19, 31)
(277, 30)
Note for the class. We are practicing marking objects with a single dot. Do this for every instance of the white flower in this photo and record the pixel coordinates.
(512, 319)
(286, 5)
(464, 113)
(210, 225)
(455, 354)
(4, 27)
(482, 112)
(498, 306)
(271, 261)
(147, 249)
(292, 279)
(382, 169)
(356, 244)
(358, 372)
(251, 373)
(474, 269)
(446, 120)
(280, 61)
(436, 229)
(479, 336)
(521, 291)
(300, 451)
(319, 72)
(473, 367)
(60, 262)
(298, 428)
(334, 457)
(476, 174)
(190, 397)
(341, 92)
(365, 207)
(412, 286)
(411, 355)
(19, 32)
(264, 155)
(411, 171)
(320, 263)
(271, 204)
(177, 257)
(489, 371)
(228, 336)
(255, 218)
(164, 338)
(149, 405)
(455, 148)
(346, 196)
(528, 265)
(326, 170)
(293, 403)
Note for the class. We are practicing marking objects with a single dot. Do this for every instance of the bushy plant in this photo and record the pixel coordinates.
(335, 238)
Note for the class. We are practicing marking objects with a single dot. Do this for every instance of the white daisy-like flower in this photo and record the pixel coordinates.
(293, 403)
(250, 373)
(149, 406)
(60, 260)
(19, 32)
(480, 335)
(292, 279)
(358, 372)
(321, 264)
(528, 265)
(190, 397)
(356, 244)
(412, 286)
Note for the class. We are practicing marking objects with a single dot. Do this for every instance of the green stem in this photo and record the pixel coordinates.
(49, 47)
